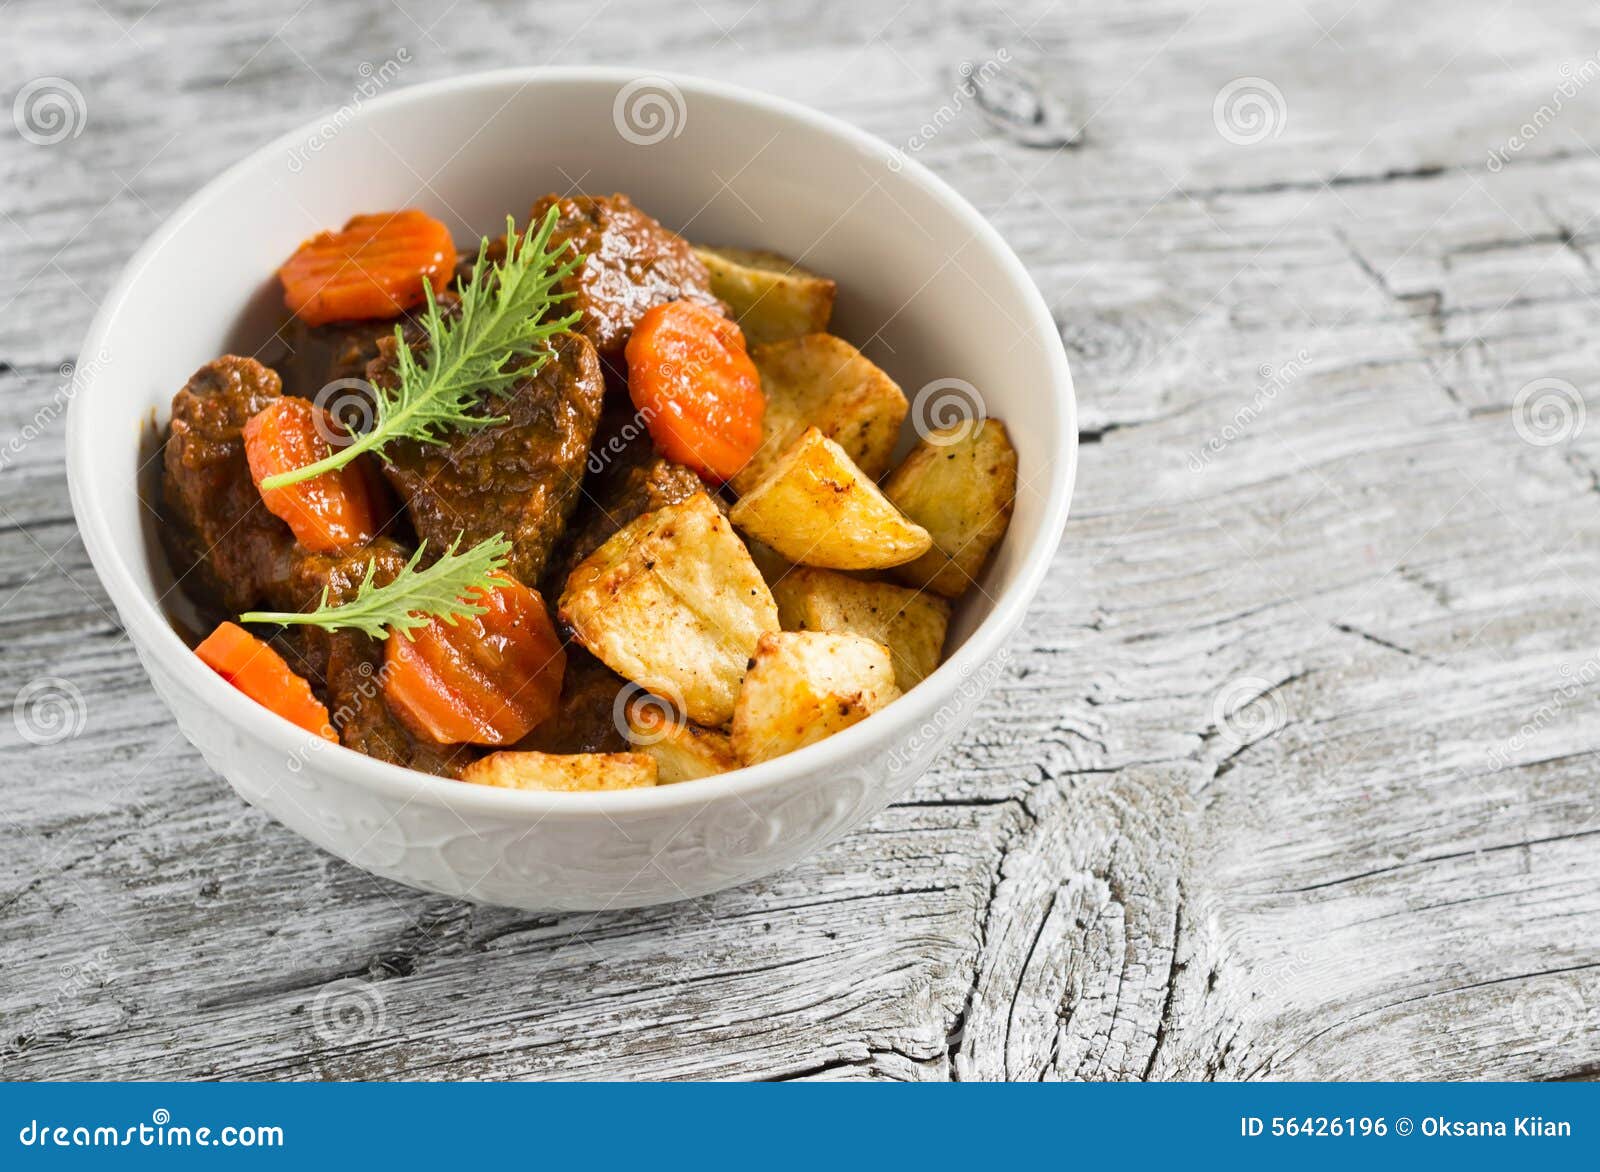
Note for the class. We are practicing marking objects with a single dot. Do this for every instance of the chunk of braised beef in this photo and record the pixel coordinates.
(626, 478)
(328, 363)
(227, 550)
(631, 263)
(316, 356)
(346, 667)
(521, 477)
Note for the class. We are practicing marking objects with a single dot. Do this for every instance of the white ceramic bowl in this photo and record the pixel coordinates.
(926, 286)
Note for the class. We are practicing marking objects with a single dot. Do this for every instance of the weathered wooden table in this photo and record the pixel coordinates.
(1293, 771)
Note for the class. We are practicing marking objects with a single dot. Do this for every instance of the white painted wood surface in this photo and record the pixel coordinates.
(1293, 772)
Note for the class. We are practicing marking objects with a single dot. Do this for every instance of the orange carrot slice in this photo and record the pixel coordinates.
(326, 513)
(261, 673)
(486, 680)
(374, 267)
(699, 393)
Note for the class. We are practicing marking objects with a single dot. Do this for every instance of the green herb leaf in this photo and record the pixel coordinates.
(501, 322)
(413, 599)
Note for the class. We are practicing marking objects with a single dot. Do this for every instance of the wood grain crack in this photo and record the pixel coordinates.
(1378, 641)
(1428, 860)
(955, 1030)
(1175, 970)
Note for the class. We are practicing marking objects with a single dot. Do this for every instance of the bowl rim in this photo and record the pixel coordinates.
(153, 634)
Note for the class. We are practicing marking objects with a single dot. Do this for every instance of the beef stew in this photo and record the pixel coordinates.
(511, 516)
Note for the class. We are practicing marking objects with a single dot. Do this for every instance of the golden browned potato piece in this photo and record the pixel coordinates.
(771, 296)
(910, 623)
(807, 685)
(960, 484)
(564, 772)
(824, 381)
(673, 602)
(816, 508)
(682, 750)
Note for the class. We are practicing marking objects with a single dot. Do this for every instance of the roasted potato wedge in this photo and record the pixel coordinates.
(771, 297)
(567, 772)
(682, 750)
(824, 381)
(910, 623)
(959, 484)
(816, 508)
(673, 602)
(803, 686)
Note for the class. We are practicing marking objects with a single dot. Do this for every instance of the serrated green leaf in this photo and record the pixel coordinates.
(413, 599)
(499, 337)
